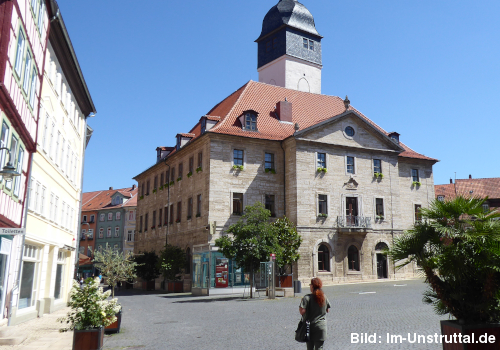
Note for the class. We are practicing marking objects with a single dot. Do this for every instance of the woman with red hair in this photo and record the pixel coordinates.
(314, 308)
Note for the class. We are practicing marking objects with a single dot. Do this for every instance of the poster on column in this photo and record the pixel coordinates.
(221, 273)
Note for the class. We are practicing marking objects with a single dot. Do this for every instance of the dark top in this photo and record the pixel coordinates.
(316, 315)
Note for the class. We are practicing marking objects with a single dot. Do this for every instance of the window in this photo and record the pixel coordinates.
(200, 160)
(349, 131)
(19, 53)
(322, 204)
(116, 247)
(350, 165)
(486, 207)
(418, 215)
(140, 223)
(41, 16)
(142, 189)
(42, 200)
(84, 235)
(269, 199)
(379, 207)
(147, 188)
(275, 43)
(37, 194)
(188, 261)
(130, 237)
(27, 69)
(323, 258)
(159, 217)
(99, 248)
(56, 156)
(440, 198)
(90, 234)
(101, 218)
(250, 122)
(377, 166)
(161, 180)
(321, 160)
(13, 149)
(101, 233)
(110, 216)
(117, 231)
(190, 208)
(172, 174)
(153, 223)
(191, 165)
(84, 218)
(56, 204)
(29, 277)
(32, 88)
(268, 46)
(131, 215)
(269, 161)
(92, 218)
(414, 175)
(171, 213)
(89, 251)
(51, 208)
(305, 43)
(238, 157)
(198, 205)
(179, 208)
(3, 143)
(237, 203)
(155, 183)
(118, 216)
(167, 177)
(63, 217)
(46, 132)
(180, 170)
(353, 258)
(108, 232)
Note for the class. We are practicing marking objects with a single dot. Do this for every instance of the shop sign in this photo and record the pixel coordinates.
(12, 231)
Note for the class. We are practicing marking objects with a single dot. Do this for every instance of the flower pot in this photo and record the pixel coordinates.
(88, 340)
(475, 332)
(114, 327)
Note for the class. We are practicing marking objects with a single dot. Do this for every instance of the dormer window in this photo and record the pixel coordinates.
(308, 44)
(250, 122)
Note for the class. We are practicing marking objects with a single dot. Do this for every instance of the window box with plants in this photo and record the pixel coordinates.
(153, 227)
(322, 215)
(189, 217)
(179, 178)
(172, 183)
(177, 221)
(198, 215)
(189, 174)
(161, 188)
(379, 217)
(141, 197)
(199, 169)
(456, 246)
(379, 176)
(154, 190)
(270, 170)
(322, 170)
(416, 183)
(238, 167)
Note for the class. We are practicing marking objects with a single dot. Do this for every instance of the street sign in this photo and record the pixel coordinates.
(12, 231)
(273, 256)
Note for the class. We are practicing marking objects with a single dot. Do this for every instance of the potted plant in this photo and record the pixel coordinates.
(378, 175)
(322, 170)
(457, 247)
(115, 267)
(322, 215)
(171, 265)
(90, 312)
(179, 178)
(238, 167)
(198, 169)
(190, 174)
(146, 269)
(416, 183)
(269, 170)
(172, 183)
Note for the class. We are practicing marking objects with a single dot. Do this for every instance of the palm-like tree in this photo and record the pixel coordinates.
(457, 247)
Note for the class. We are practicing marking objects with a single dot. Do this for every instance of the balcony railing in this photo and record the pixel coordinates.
(354, 221)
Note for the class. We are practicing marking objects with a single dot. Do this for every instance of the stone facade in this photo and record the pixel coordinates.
(297, 183)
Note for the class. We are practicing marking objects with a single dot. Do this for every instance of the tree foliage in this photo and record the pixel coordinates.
(254, 238)
(115, 266)
(457, 246)
(171, 262)
(147, 266)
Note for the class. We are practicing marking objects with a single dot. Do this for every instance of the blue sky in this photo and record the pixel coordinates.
(426, 69)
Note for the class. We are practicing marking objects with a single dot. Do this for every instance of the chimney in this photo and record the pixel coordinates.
(470, 176)
(451, 181)
(394, 136)
(284, 111)
(111, 188)
(133, 187)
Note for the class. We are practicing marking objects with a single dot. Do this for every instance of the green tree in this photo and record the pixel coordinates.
(253, 239)
(457, 246)
(147, 266)
(171, 262)
(115, 266)
(288, 243)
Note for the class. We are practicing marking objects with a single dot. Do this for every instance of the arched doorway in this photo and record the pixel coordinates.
(381, 260)
(323, 258)
(353, 258)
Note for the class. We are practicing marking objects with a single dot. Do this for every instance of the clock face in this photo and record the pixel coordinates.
(349, 131)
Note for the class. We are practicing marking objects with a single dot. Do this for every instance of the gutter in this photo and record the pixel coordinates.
(284, 179)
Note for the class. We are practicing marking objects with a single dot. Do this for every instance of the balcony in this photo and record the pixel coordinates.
(354, 222)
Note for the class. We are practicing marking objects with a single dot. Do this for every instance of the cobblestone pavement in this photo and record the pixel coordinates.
(42, 334)
(175, 321)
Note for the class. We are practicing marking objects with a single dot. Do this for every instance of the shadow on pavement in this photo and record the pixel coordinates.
(211, 300)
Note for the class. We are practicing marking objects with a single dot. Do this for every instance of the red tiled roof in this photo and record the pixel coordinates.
(103, 198)
(187, 135)
(132, 202)
(479, 187)
(212, 118)
(308, 110)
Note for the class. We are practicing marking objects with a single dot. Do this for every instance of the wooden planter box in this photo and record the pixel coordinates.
(114, 327)
(286, 281)
(175, 287)
(88, 340)
(448, 328)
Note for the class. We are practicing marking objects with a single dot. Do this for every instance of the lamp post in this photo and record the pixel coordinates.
(8, 171)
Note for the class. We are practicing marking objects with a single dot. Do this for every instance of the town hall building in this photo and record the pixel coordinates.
(348, 185)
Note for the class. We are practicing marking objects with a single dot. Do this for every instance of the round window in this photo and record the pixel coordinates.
(349, 131)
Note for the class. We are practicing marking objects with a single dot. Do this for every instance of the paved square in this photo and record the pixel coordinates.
(168, 321)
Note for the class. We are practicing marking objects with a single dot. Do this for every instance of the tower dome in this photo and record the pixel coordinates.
(289, 13)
